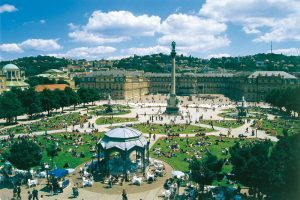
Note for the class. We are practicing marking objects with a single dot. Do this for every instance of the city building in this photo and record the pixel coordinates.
(260, 83)
(55, 74)
(254, 86)
(119, 84)
(14, 77)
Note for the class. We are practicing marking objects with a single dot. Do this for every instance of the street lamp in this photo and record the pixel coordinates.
(93, 157)
(47, 170)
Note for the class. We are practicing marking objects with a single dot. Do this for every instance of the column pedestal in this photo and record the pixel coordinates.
(172, 106)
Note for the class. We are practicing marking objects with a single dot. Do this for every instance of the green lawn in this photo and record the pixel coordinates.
(66, 143)
(223, 123)
(165, 129)
(178, 160)
(253, 113)
(101, 112)
(112, 120)
(119, 110)
(276, 127)
(53, 123)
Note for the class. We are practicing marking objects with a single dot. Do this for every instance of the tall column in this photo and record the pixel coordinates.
(173, 75)
(172, 104)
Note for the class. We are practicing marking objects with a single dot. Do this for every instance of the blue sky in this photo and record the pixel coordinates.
(96, 29)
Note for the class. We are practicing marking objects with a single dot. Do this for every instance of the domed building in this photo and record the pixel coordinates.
(14, 77)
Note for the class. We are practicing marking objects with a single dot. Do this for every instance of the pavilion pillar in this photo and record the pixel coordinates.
(106, 161)
(148, 152)
(143, 161)
(125, 164)
(98, 157)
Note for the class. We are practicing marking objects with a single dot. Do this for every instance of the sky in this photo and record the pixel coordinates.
(114, 29)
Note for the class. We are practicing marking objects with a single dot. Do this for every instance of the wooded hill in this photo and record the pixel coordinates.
(162, 63)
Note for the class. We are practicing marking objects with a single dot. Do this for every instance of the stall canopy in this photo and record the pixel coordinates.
(58, 173)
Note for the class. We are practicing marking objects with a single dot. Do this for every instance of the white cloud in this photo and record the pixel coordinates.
(42, 21)
(86, 52)
(95, 38)
(220, 55)
(148, 50)
(186, 24)
(284, 29)
(123, 22)
(288, 52)
(73, 26)
(117, 57)
(31, 44)
(40, 44)
(12, 47)
(193, 33)
(276, 20)
(114, 27)
(7, 8)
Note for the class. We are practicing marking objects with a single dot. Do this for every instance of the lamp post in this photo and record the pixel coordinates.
(93, 157)
(47, 170)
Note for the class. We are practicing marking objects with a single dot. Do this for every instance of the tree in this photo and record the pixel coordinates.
(10, 106)
(83, 94)
(37, 80)
(205, 171)
(288, 98)
(62, 81)
(31, 102)
(74, 99)
(63, 98)
(49, 100)
(52, 151)
(94, 95)
(24, 154)
(284, 169)
(250, 164)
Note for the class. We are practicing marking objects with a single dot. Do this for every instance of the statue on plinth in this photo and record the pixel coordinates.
(173, 101)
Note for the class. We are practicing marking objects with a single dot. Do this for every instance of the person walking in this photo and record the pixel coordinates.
(124, 195)
(18, 192)
(29, 195)
(15, 191)
(35, 194)
(51, 189)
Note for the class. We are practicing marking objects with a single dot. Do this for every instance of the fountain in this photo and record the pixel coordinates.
(242, 108)
(113, 109)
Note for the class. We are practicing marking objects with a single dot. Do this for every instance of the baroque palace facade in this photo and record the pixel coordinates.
(121, 84)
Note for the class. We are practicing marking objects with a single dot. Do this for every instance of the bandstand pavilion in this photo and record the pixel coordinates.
(123, 150)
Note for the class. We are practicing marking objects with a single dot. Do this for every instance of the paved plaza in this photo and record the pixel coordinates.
(149, 109)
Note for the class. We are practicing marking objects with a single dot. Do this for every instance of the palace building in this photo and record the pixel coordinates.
(119, 84)
(254, 86)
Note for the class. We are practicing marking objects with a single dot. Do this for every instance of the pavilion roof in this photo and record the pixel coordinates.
(123, 138)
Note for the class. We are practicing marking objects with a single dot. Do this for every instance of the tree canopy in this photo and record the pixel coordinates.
(204, 171)
(24, 154)
(250, 163)
(288, 98)
(17, 102)
(10, 106)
